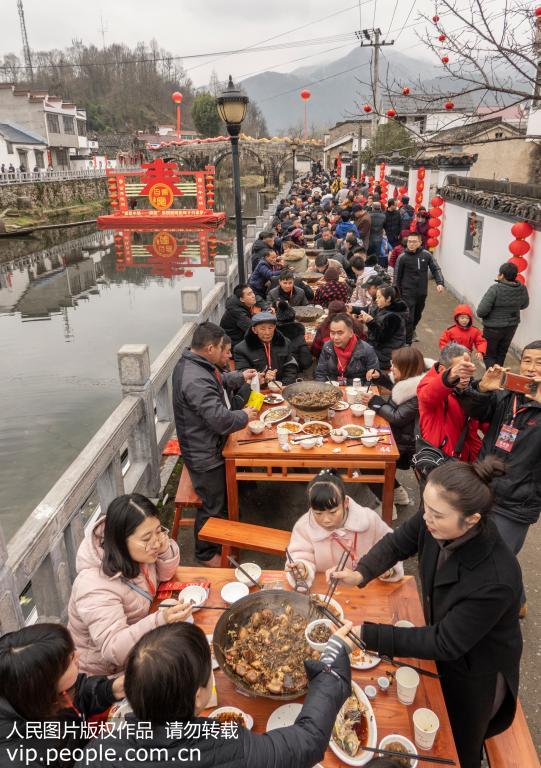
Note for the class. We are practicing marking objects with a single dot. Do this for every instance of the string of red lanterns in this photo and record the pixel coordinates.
(420, 187)
(434, 222)
(305, 96)
(519, 247)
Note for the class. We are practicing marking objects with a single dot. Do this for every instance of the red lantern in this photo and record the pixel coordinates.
(519, 247)
(367, 108)
(449, 105)
(520, 263)
(420, 185)
(421, 173)
(436, 202)
(445, 59)
(406, 91)
(432, 242)
(391, 113)
(419, 198)
(538, 11)
(521, 279)
(435, 19)
(403, 190)
(441, 38)
(435, 212)
(433, 222)
(521, 229)
(305, 95)
(177, 97)
(434, 232)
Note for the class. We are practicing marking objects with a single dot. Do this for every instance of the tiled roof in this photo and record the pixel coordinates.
(424, 104)
(462, 133)
(17, 135)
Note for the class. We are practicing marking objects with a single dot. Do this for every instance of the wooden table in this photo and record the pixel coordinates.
(274, 464)
(380, 602)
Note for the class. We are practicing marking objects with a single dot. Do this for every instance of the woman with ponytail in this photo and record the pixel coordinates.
(471, 586)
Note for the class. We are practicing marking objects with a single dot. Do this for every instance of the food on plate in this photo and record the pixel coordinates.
(353, 430)
(291, 426)
(269, 650)
(317, 399)
(273, 399)
(332, 605)
(320, 633)
(359, 656)
(318, 428)
(397, 746)
(231, 717)
(341, 405)
(274, 415)
(350, 731)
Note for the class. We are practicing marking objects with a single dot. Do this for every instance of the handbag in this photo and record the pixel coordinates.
(427, 456)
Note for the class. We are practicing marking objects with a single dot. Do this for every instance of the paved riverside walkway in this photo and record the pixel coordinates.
(258, 505)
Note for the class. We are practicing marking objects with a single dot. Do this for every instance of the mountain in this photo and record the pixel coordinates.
(334, 85)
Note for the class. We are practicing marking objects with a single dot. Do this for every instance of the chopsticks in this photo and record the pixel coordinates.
(421, 671)
(333, 583)
(382, 439)
(261, 440)
(355, 639)
(300, 583)
(410, 755)
(241, 569)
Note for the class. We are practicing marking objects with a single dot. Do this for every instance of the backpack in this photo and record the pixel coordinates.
(427, 457)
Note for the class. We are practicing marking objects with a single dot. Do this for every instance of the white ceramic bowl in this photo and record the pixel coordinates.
(363, 757)
(194, 594)
(312, 643)
(256, 427)
(338, 436)
(252, 568)
(357, 409)
(386, 740)
(310, 442)
(370, 438)
(233, 591)
(248, 719)
(336, 605)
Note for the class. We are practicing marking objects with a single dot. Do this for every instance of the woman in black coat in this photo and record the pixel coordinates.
(295, 333)
(471, 586)
(387, 327)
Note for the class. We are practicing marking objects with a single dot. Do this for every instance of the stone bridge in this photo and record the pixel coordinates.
(269, 159)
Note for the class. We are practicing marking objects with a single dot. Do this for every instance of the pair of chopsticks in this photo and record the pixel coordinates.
(409, 755)
(296, 439)
(241, 569)
(261, 440)
(382, 439)
(300, 583)
(333, 583)
(421, 671)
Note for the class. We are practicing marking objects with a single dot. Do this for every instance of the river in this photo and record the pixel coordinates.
(64, 313)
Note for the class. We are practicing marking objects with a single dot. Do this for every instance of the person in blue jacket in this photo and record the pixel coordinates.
(266, 269)
(345, 226)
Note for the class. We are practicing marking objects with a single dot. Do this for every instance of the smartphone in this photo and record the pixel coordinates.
(516, 383)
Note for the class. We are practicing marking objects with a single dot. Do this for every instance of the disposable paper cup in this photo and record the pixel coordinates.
(407, 681)
(369, 417)
(426, 725)
(404, 623)
(351, 395)
(283, 437)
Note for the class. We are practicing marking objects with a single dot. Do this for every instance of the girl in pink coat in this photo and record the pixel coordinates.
(120, 565)
(334, 523)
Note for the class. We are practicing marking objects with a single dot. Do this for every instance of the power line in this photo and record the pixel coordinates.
(392, 18)
(240, 78)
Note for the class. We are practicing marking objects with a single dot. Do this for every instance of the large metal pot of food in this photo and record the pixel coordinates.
(311, 395)
(260, 645)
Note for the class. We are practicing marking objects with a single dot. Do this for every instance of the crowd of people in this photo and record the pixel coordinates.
(474, 444)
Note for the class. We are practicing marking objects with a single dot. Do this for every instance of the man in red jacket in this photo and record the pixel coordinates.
(464, 332)
(441, 417)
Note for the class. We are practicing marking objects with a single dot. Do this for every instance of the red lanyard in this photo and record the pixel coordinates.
(516, 410)
(71, 705)
(151, 586)
(218, 376)
(268, 354)
(351, 551)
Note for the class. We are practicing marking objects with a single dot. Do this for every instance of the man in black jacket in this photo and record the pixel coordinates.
(411, 278)
(203, 421)
(286, 290)
(266, 240)
(514, 434)
(344, 357)
(239, 308)
(393, 223)
(267, 351)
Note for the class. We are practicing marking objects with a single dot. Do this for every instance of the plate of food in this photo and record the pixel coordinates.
(354, 728)
(317, 428)
(333, 605)
(353, 430)
(363, 659)
(274, 415)
(233, 715)
(341, 405)
(273, 399)
(215, 664)
(292, 426)
(283, 717)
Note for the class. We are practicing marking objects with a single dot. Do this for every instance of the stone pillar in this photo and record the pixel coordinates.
(134, 371)
(191, 300)
(11, 615)
(221, 268)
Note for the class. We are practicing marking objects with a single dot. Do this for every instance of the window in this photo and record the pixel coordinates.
(9, 146)
(68, 123)
(499, 134)
(62, 159)
(474, 236)
(52, 123)
(40, 162)
(81, 128)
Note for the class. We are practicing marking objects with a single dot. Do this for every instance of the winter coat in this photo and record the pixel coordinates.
(397, 251)
(377, 222)
(500, 306)
(323, 335)
(471, 606)
(363, 222)
(401, 411)
(359, 297)
(308, 292)
(258, 249)
(295, 334)
(300, 745)
(202, 418)
(393, 226)
(320, 549)
(106, 617)
(470, 337)
(422, 228)
(331, 290)
(411, 273)
(90, 696)
(406, 215)
(262, 275)
(344, 227)
(387, 331)
(332, 263)
(237, 318)
(362, 360)
(517, 495)
(250, 353)
(296, 299)
(441, 417)
(326, 245)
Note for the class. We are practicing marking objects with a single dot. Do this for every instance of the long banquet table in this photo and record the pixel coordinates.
(379, 601)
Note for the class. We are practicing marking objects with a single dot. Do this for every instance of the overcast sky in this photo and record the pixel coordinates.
(186, 27)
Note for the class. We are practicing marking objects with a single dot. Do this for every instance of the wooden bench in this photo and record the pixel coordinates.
(514, 747)
(233, 535)
(185, 497)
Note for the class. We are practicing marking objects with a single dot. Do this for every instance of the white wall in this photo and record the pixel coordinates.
(469, 279)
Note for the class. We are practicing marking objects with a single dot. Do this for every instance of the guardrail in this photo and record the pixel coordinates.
(27, 177)
(43, 551)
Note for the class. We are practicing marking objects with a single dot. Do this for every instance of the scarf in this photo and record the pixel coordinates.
(344, 355)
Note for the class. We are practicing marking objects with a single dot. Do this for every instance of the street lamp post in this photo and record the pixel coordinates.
(294, 148)
(232, 105)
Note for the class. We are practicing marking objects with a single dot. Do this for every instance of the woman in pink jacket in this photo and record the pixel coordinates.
(120, 565)
(333, 523)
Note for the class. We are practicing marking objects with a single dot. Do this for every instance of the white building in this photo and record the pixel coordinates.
(59, 123)
(21, 148)
(424, 115)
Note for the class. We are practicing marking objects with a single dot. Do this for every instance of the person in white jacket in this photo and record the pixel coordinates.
(333, 523)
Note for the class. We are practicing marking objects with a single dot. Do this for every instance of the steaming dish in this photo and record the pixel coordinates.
(268, 652)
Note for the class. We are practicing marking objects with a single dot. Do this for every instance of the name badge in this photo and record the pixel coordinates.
(506, 438)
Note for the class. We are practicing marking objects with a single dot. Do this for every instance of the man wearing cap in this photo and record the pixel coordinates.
(344, 357)
(267, 350)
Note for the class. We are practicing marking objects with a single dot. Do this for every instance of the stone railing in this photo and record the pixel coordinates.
(41, 555)
(18, 177)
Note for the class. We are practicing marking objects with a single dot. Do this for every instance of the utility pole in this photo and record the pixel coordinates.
(371, 38)
(26, 46)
